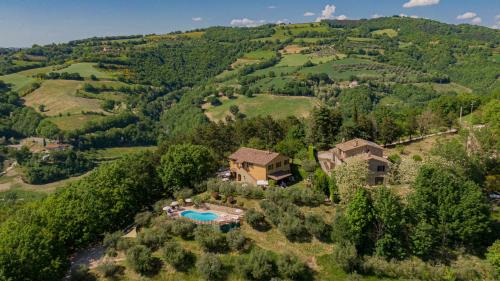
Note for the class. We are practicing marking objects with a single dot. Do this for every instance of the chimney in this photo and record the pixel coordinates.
(356, 143)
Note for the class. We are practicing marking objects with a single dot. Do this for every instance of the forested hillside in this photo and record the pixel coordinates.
(181, 102)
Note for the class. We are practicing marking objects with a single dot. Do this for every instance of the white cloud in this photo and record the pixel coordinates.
(246, 22)
(282, 21)
(197, 19)
(271, 7)
(341, 17)
(497, 22)
(327, 13)
(376, 16)
(414, 16)
(420, 3)
(309, 14)
(476, 20)
(466, 16)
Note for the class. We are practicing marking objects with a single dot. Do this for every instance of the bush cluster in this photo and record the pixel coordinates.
(232, 189)
(176, 256)
(210, 239)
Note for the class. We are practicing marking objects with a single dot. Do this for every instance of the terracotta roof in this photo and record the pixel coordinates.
(355, 143)
(375, 157)
(254, 156)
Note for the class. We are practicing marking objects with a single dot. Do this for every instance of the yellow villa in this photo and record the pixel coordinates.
(256, 166)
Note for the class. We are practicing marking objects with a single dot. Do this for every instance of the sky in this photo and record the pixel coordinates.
(27, 22)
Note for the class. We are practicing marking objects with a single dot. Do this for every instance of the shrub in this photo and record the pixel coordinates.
(183, 193)
(255, 219)
(493, 255)
(159, 205)
(294, 229)
(176, 256)
(305, 196)
(417, 158)
(258, 266)
(236, 240)
(183, 229)
(210, 239)
(143, 219)
(210, 267)
(81, 273)
(291, 267)
(272, 212)
(151, 238)
(346, 256)
(124, 244)
(316, 225)
(109, 270)
(111, 239)
(141, 261)
(394, 158)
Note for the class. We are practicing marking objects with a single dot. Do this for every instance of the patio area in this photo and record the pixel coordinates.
(223, 215)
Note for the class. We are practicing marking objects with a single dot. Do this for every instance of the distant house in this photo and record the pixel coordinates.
(372, 152)
(258, 166)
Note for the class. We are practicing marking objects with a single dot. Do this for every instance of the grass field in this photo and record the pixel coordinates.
(18, 81)
(259, 55)
(117, 152)
(73, 121)
(59, 96)
(300, 59)
(263, 105)
(389, 32)
(86, 69)
(336, 74)
(40, 70)
(445, 88)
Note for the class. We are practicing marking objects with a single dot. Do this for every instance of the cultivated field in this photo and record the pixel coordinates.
(59, 97)
(263, 105)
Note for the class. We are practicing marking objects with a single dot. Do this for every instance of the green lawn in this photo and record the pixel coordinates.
(263, 105)
(18, 81)
(86, 69)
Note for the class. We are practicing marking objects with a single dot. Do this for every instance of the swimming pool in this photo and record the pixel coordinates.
(205, 216)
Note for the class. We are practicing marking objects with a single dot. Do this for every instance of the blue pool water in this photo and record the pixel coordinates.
(206, 216)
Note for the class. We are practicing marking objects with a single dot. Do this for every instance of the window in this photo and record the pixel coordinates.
(379, 180)
(278, 164)
(270, 167)
(285, 162)
(381, 168)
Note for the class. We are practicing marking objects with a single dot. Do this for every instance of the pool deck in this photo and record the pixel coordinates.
(226, 215)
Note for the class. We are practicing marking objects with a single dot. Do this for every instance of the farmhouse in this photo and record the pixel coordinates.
(370, 151)
(257, 166)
